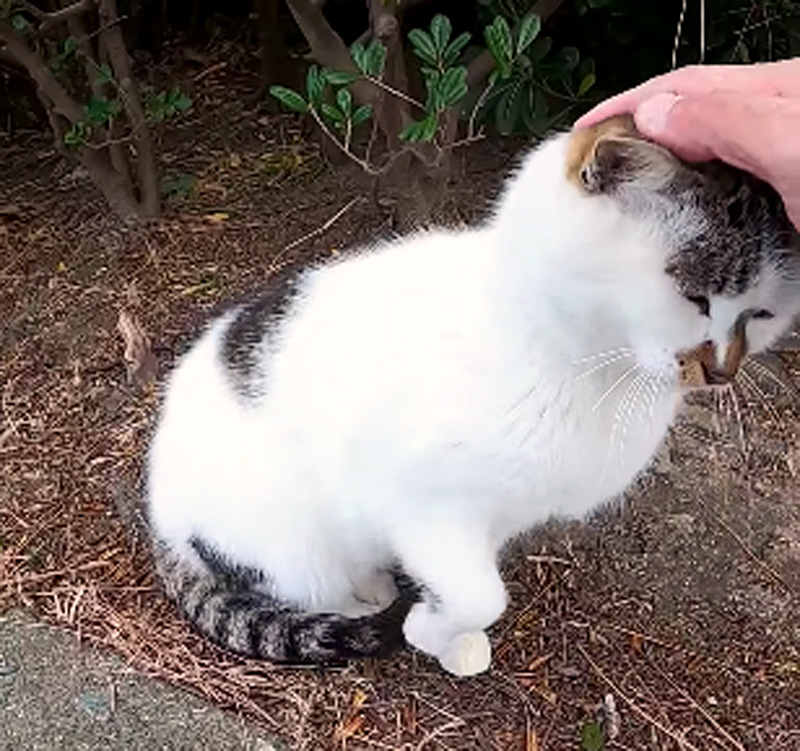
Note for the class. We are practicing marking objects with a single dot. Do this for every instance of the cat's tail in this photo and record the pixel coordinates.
(230, 611)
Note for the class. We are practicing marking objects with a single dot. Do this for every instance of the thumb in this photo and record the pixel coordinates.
(755, 132)
(717, 125)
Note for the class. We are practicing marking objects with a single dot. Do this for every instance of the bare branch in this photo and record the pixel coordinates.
(58, 102)
(326, 45)
(393, 113)
(51, 19)
(18, 48)
(112, 42)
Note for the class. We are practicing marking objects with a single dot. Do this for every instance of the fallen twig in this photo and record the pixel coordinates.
(682, 742)
(315, 232)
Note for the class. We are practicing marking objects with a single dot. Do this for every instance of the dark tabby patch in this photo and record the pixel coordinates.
(747, 227)
(252, 322)
(235, 576)
(744, 222)
(231, 606)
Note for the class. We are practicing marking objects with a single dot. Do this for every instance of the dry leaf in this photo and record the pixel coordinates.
(539, 661)
(139, 358)
(359, 697)
(217, 217)
(637, 643)
(348, 728)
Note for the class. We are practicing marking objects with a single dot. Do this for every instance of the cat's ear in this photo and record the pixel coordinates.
(613, 155)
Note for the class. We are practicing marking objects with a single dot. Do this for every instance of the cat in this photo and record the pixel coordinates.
(339, 462)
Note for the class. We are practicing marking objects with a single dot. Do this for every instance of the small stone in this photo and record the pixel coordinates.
(96, 706)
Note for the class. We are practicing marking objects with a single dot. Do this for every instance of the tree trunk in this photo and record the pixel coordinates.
(277, 67)
(63, 110)
(112, 43)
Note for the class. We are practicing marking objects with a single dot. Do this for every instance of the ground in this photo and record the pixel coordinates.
(668, 621)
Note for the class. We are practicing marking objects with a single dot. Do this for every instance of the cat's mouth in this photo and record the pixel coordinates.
(699, 367)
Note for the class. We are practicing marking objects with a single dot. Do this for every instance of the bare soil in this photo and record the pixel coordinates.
(678, 606)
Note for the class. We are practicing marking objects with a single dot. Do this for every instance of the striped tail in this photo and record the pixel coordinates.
(225, 605)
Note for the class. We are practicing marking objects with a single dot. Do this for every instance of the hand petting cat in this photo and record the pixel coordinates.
(748, 116)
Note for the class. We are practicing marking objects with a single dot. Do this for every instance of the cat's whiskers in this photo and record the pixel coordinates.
(600, 366)
(632, 369)
(657, 384)
(597, 355)
(752, 385)
(734, 400)
(621, 405)
(765, 370)
(638, 389)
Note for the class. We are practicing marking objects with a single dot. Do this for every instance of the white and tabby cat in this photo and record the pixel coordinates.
(392, 419)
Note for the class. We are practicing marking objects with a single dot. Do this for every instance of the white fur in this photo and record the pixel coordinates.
(429, 399)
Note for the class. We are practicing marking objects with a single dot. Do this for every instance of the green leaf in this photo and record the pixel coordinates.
(452, 86)
(358, 53)
(104, 74)
(332, 113)
(182, 102)
(451, 54)
(315, 83)
(498, 40)
(69, 47)
(424, 130)
(179, 185)
(535, 113)
(441, 29)
(289, 98)
(503, 37)
(423, 46)
(345, 101)
(529, 28)
(592, 737)
(339, 77)
(568, 59)
(78, 134)
(508, 108)
(540, 48)
(20, 23)
(100, 110)
(586, 83)
(375, 58)
(364, 112)
(432, 79)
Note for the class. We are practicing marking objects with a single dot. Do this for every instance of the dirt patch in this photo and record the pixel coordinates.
(681, 603)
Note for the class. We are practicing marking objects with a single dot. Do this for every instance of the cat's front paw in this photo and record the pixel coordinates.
(467, 654)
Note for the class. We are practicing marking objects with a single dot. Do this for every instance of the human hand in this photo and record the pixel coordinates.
(748, 116)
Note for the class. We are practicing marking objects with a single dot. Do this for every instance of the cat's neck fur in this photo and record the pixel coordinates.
(556, 258)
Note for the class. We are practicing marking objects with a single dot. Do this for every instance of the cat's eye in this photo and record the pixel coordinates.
(762, 314)
(702, 304)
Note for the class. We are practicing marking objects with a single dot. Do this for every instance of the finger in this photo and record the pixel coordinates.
(757, 133)
(741, 130)
(793, 209)
(782, 78)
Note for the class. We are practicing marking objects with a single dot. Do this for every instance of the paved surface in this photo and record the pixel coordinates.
(56, 695)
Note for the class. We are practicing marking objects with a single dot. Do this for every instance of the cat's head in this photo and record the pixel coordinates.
(719, 266)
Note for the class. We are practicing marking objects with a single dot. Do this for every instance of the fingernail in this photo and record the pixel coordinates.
(652, 114)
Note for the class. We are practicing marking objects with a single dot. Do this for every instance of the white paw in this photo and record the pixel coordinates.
(420, 630)
(467, 654)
